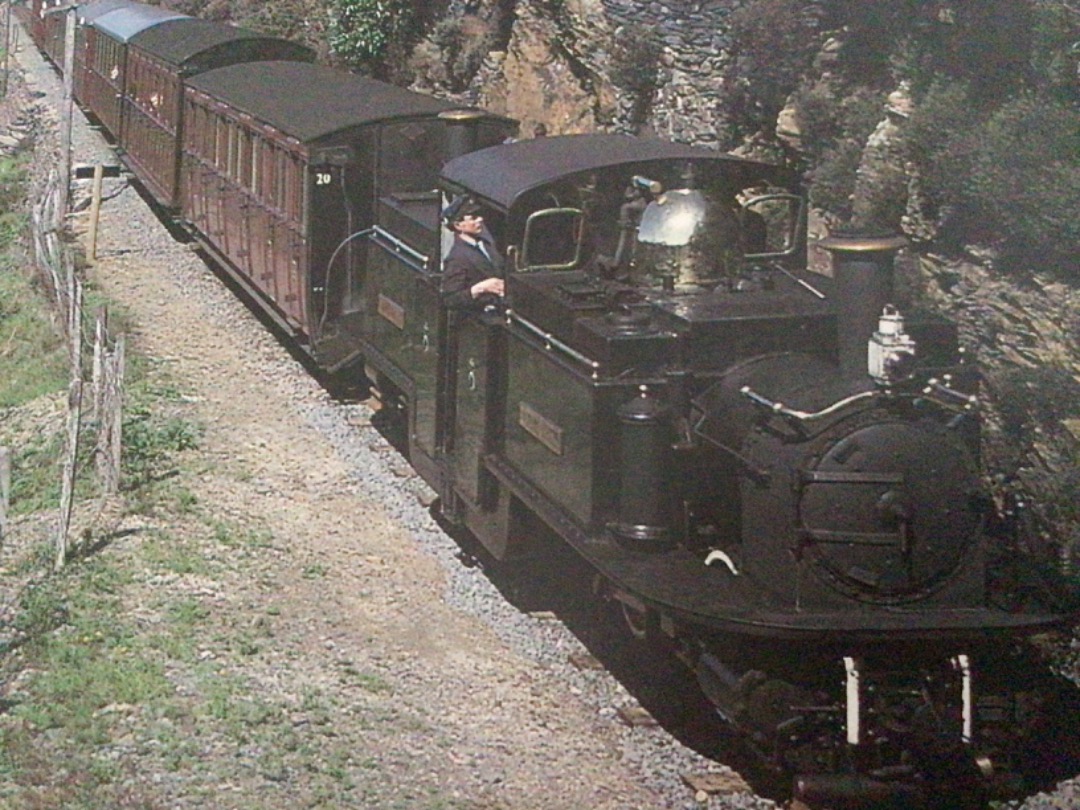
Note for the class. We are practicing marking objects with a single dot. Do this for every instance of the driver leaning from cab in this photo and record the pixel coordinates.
(472, 273)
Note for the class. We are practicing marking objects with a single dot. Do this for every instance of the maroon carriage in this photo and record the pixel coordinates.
(159, 59)
(86, 16)
(46, 27)
(101, 73)
(284, 164)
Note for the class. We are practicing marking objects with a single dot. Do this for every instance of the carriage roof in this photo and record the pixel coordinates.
(188, 41)
(125, 22)
(332, 101)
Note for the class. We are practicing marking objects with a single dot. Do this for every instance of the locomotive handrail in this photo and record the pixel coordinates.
(804, 284)
(781, 409)
(401, 247)
(552, 342)
(934, 385)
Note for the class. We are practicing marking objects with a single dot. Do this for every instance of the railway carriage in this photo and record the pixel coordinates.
(47, 24)
(84, 19)
(47, 29)
(283, 185)
(102, 61)
(159, 59)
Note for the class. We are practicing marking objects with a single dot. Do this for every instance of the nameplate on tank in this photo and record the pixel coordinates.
(540, 428)
(392, 311)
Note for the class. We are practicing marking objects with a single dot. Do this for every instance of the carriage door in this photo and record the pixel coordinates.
(476, 342)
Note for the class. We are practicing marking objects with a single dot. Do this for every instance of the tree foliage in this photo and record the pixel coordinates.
(993, 140)
(773, 47)
(363, 31)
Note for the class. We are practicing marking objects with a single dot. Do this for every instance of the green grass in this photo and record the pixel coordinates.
(116, 671)
(33, 359)
(166, 553)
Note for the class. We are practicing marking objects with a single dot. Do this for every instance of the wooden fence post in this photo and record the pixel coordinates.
(7, 48)
(5, 489)
(67, 485)
(97, 379)
(110, 423)
(116, 417)
(66, 116)
(95, 209)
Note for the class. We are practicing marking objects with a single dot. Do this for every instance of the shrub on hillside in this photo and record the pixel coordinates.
(834, 123)
(1055, 55)
(773, 46)
(1009, 179)
(362, 31)
(454, 51)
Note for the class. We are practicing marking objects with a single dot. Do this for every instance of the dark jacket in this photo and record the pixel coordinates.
(465, 266)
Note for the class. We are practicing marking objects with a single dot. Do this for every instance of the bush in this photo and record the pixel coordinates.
(461, 44)
(1007, 180)
(834, 124)
(773, 45)
(1055, 31)
(1026, 180)
(362, 31)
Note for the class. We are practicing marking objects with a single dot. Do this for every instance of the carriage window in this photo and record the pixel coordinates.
(221, 147)
(410, 156)
(256, 144)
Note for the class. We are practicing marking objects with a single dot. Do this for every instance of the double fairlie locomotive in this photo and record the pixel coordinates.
(774, 471)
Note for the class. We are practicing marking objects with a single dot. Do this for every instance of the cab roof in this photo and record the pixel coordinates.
(501, 174)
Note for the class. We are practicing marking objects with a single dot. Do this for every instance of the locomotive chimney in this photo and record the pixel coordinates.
(461, 129)
(863, 268)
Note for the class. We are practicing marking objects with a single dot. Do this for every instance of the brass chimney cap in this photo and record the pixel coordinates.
(855, 242)
(462, 115)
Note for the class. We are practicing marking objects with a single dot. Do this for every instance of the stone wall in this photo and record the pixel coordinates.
(556, 65)
(695, 49)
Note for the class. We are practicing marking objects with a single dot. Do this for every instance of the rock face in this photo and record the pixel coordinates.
(548, 74)
(557, 60)
(693, 41)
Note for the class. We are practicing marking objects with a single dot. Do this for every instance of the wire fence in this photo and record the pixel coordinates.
(95, 396)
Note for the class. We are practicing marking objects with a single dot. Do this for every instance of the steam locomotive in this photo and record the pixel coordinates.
(775, 471)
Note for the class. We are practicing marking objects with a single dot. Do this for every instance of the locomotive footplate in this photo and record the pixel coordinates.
(678, 584)
(673, 583)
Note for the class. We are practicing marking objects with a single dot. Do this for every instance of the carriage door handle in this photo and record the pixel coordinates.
(470, 378)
